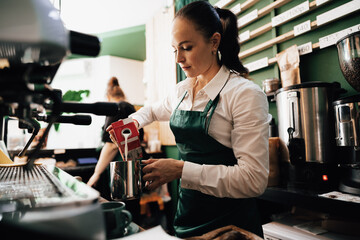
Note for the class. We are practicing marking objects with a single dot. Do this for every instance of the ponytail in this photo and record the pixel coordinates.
(229, 45)
(114, 89)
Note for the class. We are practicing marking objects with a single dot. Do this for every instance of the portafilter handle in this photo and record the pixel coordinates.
(84, 44)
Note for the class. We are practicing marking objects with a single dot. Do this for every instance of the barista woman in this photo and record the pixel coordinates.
(220, 121)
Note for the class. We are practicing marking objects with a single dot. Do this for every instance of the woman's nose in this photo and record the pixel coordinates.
(179, 57)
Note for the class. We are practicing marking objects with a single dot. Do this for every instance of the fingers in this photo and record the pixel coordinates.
(152, 185)
(155, 173)
(90, 184)
(147, 170)
(149, 167)
(109, 128)
(136, 123)
(92, 181)
(113, 138)
(112, 134)
(151, 182)
(148, 177)
(151, 176)
(148, 161)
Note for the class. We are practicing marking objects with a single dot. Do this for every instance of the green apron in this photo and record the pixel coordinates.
(199, 213)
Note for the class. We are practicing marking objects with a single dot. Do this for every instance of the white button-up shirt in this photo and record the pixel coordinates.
(240, 121)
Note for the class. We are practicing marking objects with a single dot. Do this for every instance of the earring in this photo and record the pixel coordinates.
(219, 55)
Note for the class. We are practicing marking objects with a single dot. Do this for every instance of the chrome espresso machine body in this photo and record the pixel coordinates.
(42, 201)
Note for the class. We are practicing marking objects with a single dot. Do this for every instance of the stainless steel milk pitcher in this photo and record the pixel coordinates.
(125, 180)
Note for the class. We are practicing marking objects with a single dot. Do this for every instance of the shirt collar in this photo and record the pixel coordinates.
(216, 84)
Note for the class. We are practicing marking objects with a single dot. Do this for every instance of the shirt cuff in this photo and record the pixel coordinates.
(191, 174)
(136, 118)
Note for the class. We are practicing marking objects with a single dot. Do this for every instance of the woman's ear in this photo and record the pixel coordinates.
(215, 40)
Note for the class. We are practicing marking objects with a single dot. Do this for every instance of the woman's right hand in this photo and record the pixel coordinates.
(136, 124)
(110, 128)
(111, 131)
(93, 180)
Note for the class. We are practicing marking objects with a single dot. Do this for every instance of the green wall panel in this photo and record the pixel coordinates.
(320, 65)
(127, 43)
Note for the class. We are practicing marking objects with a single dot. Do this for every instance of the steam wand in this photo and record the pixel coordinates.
(36, 127)
(52, 119)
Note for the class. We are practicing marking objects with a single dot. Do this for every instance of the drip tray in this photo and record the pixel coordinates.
(42, 186)
(48, 201)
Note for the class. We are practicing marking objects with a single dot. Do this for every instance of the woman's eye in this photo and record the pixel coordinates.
(183, 49)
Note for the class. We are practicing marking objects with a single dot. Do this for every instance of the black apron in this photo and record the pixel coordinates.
(199, 213)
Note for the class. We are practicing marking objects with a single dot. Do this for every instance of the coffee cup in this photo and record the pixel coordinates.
(117, 219)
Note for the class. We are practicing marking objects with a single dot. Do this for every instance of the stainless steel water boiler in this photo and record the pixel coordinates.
(304, 108)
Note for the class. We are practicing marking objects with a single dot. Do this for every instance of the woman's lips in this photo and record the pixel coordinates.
(185, 68)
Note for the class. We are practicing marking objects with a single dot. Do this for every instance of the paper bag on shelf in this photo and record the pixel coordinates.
(288, 61)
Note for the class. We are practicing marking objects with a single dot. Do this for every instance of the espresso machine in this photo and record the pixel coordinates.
(347, 113)
(42, 201)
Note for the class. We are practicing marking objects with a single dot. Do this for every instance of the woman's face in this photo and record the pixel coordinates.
(192, 51)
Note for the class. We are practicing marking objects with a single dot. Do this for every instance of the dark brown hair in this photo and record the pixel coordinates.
(207, 20)
(114, 89)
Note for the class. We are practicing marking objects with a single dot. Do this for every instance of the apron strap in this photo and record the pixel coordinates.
(207, 123)
(181, 100)
(213, 105)
(208, 106)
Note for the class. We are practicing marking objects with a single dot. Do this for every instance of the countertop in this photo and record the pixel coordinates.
(311, 200)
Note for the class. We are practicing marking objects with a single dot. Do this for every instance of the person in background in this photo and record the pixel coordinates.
(220, 121)
(110, 152)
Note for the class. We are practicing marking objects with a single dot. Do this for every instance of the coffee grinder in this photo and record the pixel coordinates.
(347, 113)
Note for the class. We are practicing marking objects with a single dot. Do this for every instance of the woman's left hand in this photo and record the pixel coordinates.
(160, 171)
